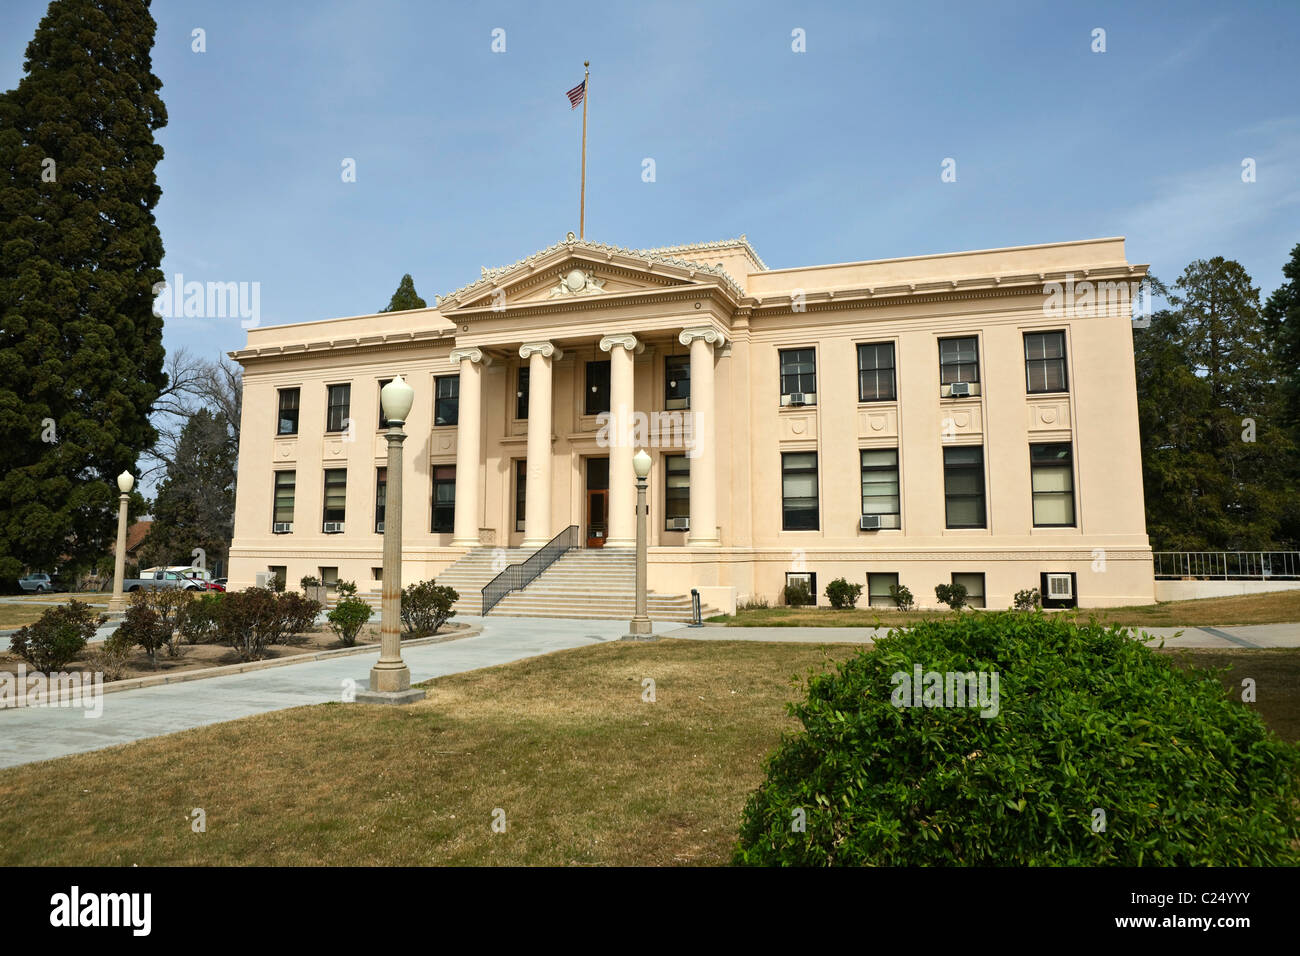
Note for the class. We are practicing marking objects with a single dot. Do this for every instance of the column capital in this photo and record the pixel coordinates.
(706, 332)
(471, 352)
(625, 339)
(544, 349)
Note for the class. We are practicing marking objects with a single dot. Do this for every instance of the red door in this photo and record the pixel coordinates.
(597, 520)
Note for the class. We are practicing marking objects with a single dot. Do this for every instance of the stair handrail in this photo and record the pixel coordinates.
(520, 575)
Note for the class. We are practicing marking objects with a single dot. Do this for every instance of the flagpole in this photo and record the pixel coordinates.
(582, 195)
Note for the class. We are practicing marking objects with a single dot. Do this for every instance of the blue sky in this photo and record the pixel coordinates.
(466, 157)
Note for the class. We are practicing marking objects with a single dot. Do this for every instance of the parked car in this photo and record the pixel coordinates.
(36, 583)
(159, 579)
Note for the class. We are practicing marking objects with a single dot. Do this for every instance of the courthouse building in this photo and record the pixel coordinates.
(967, 417)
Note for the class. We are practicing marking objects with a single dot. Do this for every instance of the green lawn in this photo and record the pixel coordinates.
(1278, 607)
(585, 770)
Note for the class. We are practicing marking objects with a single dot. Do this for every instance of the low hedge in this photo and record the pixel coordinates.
(1101, 752)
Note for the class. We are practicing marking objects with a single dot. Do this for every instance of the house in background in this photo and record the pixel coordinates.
(963, 417)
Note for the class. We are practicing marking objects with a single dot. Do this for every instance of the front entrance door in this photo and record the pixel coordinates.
(597, 502)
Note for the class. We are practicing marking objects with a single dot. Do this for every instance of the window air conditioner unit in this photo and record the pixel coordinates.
(333, 527)
(869, 523)
(1059, 587)
(263, 579)
(379, 527)
(798, 398)
(960, 389)
(282, 527)
(679, 524)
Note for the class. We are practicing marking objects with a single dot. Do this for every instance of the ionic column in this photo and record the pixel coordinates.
(703, 457)
(622, 476)
(469, 444)
(537, 505)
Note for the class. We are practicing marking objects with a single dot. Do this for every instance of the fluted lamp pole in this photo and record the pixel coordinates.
(117, 604)
(390, 678)
(640, 628)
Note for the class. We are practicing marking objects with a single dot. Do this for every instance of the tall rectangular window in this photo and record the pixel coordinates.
(1052, 475)
(878, 585)
(336, 495)
(963, 484)
(597, 400)
(288, 424)
(974, 584)
(521, 393)
(383, 422)
(1045, 362)
(959, 360)
(381, 497)
(876, 372)
(677, 381)
(444, 499)
(880, 485)
(446, 402)
(799, 374)
(799, 491)
(340, 401)
(521, 492)
(677, 489)
(285, 482)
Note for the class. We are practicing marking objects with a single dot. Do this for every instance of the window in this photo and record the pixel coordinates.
(521, 492)
(799, 491)
(963, 483)
(329, 577)
(288, 412)
(880, 485)
(959, 360)
(282, 513)
(446, 403)
(1052, 476)
(1045, 362)
(677, 489)
(444, 499)
(381, 495)
(876, 372)
(279, 572)
(383, 422)
(974, 584)
(809, 578)
(336, 493)
(799, 374)
(878, 586)
(521, 393)
(597, 388)
(377, 574)
(340, 400)
(677, 381)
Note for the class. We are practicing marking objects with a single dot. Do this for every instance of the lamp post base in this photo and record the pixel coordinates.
(640, 629)
(412, 695)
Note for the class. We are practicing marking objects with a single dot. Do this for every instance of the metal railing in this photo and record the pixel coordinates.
(1227, 565)
(525, 572)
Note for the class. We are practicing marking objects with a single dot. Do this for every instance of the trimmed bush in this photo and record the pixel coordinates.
(345, 588)
(144, 625)
(57, 637)
(198, 623)
(110, 658)
(797, 594)
(426, 607)
(297, 613)
(902, 596)
(842, 595)
(347, 618)
(953, 595)
(1088, 718)
(1028, 599)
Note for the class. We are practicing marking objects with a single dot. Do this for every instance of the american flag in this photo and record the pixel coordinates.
(576, 94)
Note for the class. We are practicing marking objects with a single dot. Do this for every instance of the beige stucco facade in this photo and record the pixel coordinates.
(769, 487)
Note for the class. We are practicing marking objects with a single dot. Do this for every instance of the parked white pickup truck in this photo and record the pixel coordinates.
(158, 579)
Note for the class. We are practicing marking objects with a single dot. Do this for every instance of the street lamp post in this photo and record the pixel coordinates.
(390, 678)
(117, 604)
(639, 628)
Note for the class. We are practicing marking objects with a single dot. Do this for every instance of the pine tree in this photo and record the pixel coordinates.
(81, 351)
(1282, 327)
(195, 507)
(405, 297)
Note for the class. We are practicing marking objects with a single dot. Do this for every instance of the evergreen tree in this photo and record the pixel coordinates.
(405, 297)
(195, 507)
(80, 349)
(1282, 327)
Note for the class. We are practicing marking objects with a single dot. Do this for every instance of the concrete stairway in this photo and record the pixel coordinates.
(470, 573)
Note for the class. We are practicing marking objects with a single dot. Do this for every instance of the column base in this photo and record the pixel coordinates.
(640, 629)
(467, 543)
(412, 695)
(388, 680)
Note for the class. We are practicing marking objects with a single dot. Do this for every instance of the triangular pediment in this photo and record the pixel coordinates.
(577, 270)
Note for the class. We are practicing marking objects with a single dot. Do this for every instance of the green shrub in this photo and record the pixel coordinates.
(797, 594)
(841, 594)
(249, 621)
(902, 596)
(278, 583)
(309, 581)
(345, 588)
(198, 624)
(1088, 719)
(171, 606)
(1028, 599)
(298, 615)
(110, 658)
(426, 607)
(953, 595)
(145, 624)
(347, 617)
(57, 637)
